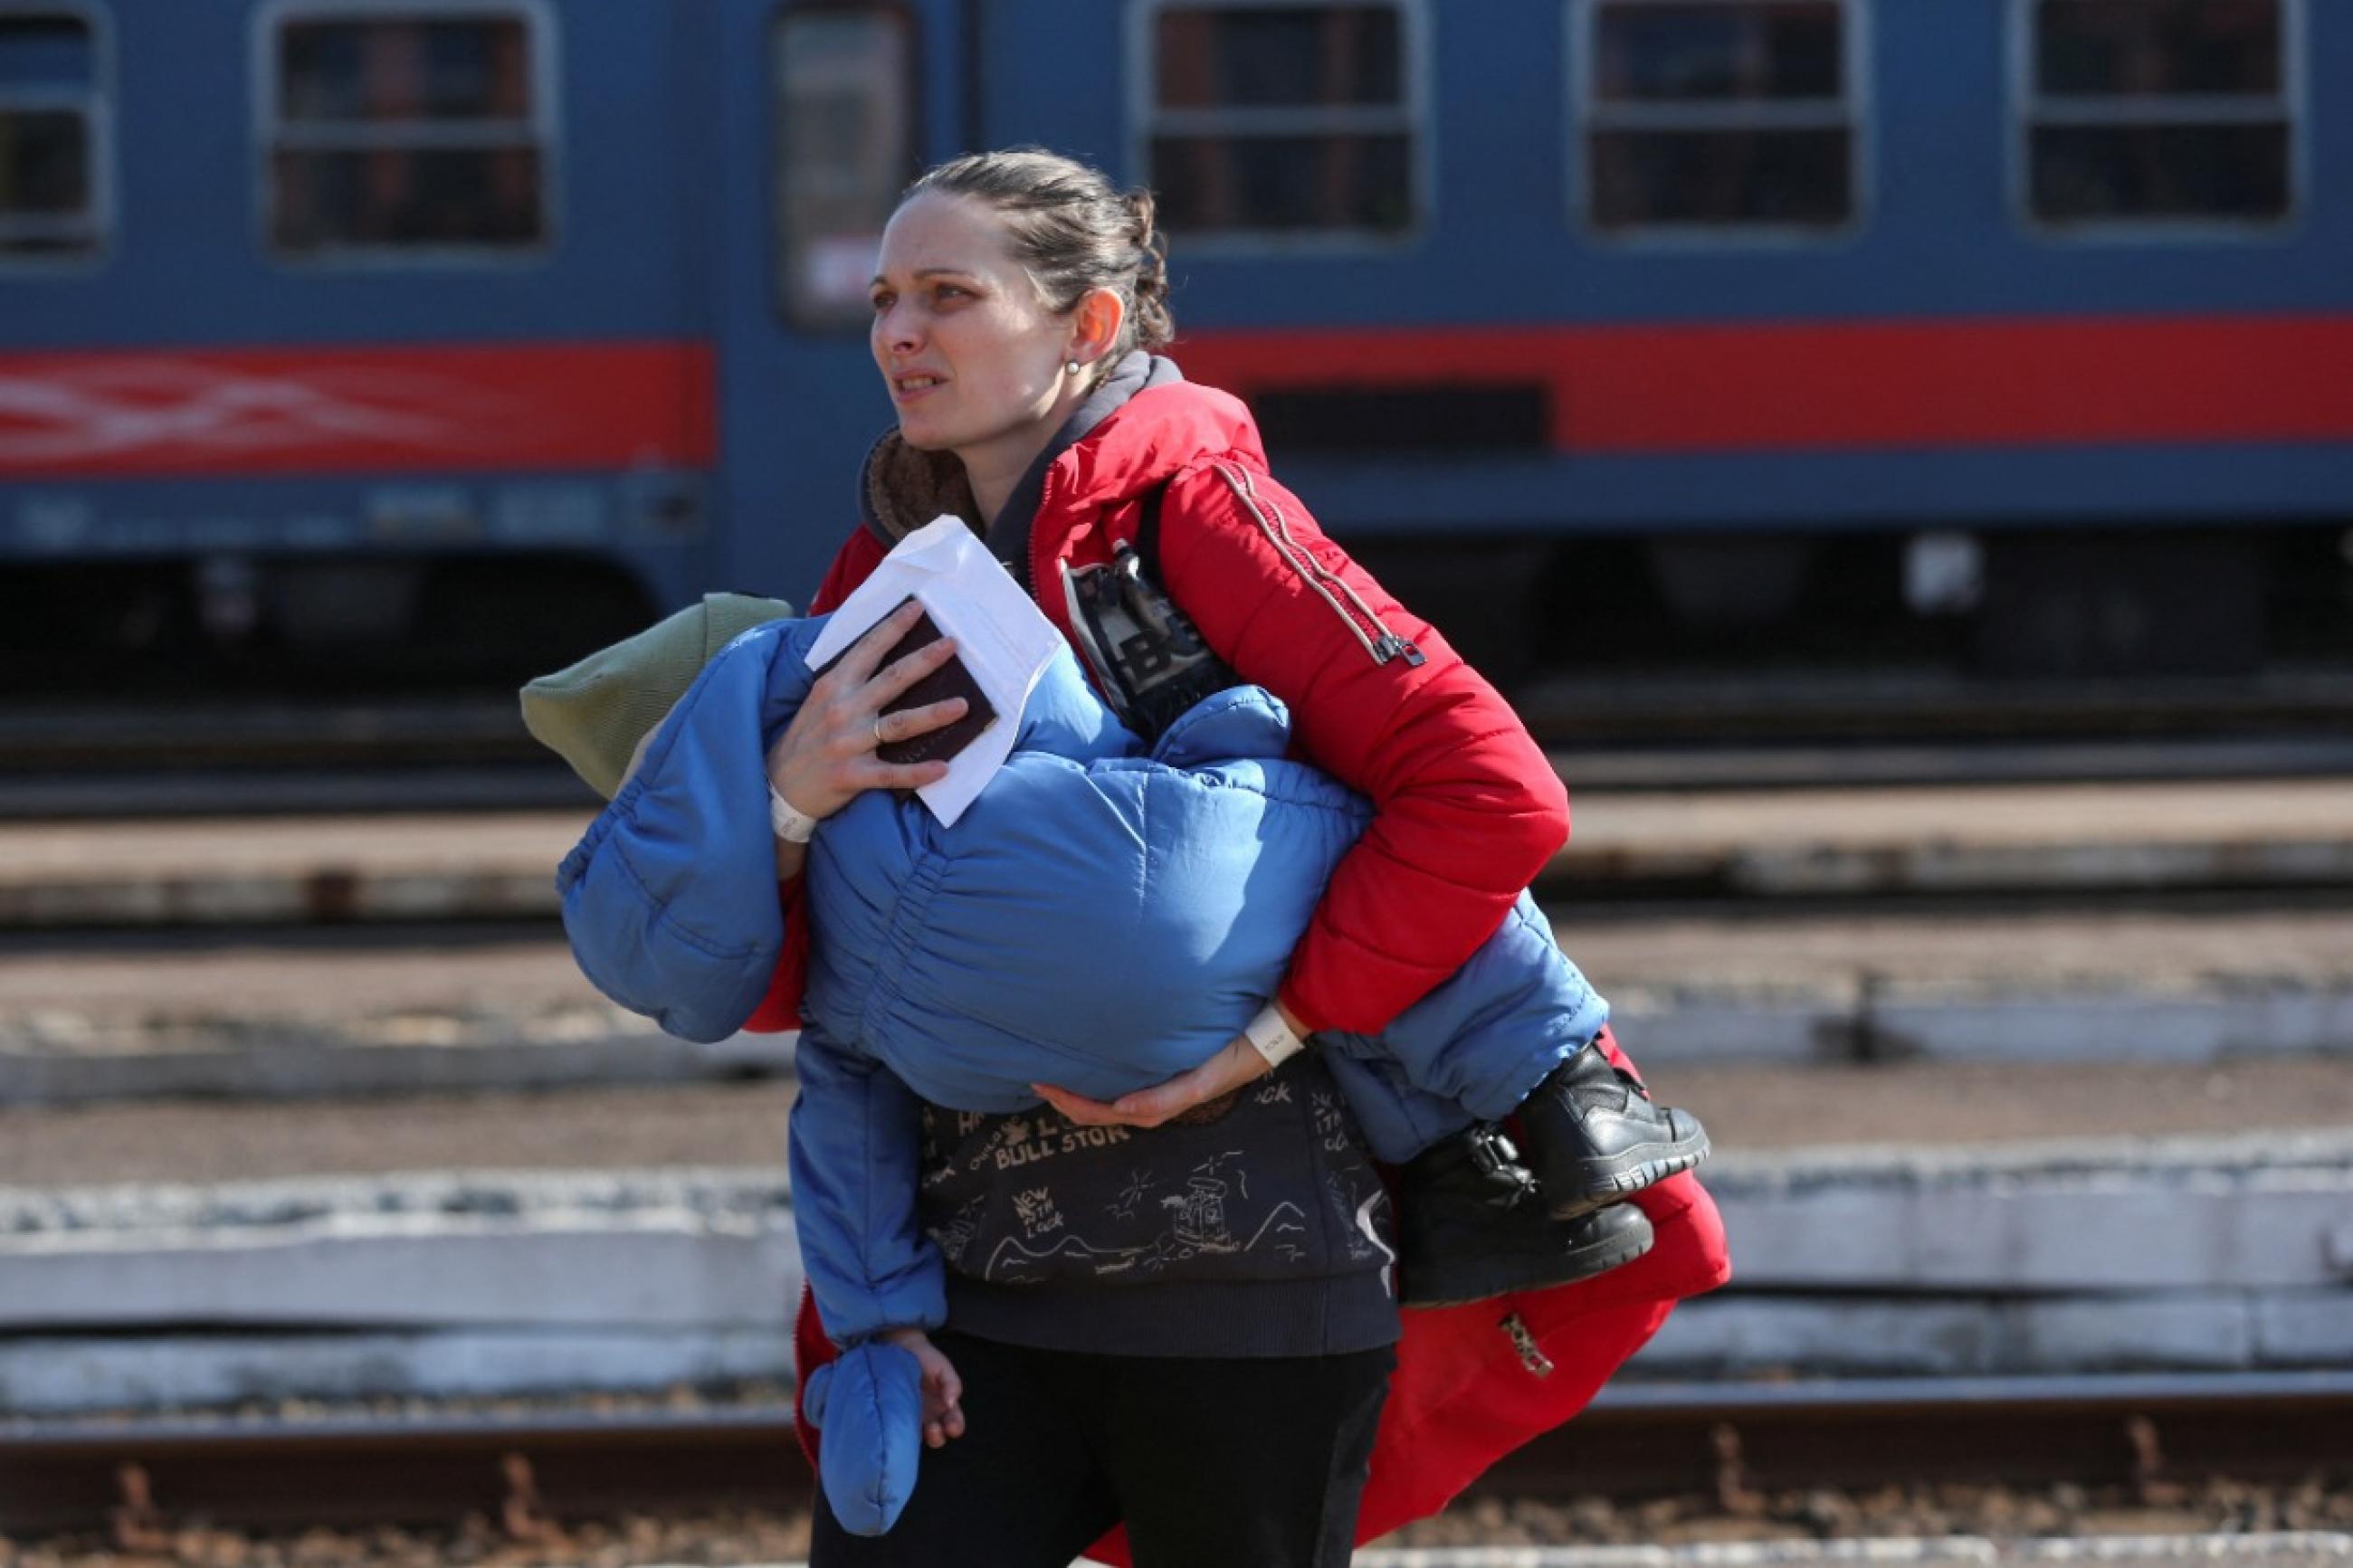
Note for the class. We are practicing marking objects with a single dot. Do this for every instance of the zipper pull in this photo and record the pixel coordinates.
(1525, 1343)
(1149, 609)
(1391, 646)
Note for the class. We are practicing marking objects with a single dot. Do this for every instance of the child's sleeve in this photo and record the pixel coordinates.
(856, 1155)
(780, 1009)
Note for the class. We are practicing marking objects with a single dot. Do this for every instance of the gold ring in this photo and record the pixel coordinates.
(878, 731)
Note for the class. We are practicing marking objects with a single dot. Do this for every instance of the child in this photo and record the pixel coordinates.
(1102, 919)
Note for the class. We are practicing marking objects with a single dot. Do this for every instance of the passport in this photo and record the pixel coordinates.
(951, 680)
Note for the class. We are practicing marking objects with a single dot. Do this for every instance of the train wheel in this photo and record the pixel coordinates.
(2113, 605)
(509, 618)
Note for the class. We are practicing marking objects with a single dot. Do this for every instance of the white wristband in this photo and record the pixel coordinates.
(1273, 1037)
(793, 825)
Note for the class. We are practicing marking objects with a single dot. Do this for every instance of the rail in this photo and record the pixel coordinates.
(1735, 1442)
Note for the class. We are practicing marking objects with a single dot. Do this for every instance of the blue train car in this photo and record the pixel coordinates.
(321, 313)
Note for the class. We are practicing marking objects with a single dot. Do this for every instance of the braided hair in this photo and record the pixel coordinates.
(1073, 230)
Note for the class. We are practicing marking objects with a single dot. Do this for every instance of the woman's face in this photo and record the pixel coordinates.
(967, 349)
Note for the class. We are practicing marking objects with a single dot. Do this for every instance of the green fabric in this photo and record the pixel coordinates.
(593, 713)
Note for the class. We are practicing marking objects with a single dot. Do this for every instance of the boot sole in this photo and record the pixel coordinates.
(1498, 1281)
(1613, 1181)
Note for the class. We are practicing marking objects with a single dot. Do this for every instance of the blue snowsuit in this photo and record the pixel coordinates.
(1102, 918)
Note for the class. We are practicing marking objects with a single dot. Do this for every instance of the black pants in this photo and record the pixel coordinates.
(1210, 1463)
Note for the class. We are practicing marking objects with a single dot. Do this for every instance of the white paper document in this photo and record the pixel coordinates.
(1001, 636)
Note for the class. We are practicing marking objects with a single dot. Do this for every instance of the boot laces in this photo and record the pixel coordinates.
(1583, 1091)
(1498, 1160)
(1617, 1094)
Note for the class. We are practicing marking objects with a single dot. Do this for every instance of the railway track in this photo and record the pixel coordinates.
(474, 755)
(1736, 1443)
(1899, 702)
(1617, 707)
(275, 757)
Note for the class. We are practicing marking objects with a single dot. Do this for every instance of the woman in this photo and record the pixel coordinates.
(1221, 1398)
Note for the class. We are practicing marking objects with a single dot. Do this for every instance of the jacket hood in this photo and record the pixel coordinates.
(901, 488)
(1159, 430)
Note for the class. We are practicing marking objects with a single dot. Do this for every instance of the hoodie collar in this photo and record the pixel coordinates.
(1008, 531)
(901, 488)
(1141, 425)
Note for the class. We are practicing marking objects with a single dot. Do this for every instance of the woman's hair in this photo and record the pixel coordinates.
(1074, 231)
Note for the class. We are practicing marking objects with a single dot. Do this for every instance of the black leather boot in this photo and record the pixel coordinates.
(1472, 1225)
(1593, 1134)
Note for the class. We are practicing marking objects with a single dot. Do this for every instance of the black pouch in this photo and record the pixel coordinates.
(1145, 653)
(954, 679)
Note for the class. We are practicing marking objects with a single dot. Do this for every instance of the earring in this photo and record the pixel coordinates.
(1072, 368)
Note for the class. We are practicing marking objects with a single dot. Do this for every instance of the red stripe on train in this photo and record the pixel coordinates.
(1647, 389)
(340, 409)
(1826, 386)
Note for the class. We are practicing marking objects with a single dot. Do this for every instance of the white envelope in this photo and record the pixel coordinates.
(1000, 635)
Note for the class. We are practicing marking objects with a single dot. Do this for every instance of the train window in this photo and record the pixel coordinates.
(1263, 120)
(2159, 111)
(52, 135)
(1706, 116)
(845, 147)
(408, 130)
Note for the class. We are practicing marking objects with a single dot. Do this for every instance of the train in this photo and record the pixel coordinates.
(337, 322)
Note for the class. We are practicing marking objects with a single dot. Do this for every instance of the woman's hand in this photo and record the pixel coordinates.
(943, 1389)
(1234, 1065)
(1231, 1068)
(825, 756)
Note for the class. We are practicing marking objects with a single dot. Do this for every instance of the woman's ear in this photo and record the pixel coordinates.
(1101, 313)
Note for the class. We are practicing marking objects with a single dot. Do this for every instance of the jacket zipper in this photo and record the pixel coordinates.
(1380, 642)
(1026, 571)
(1531, 1355)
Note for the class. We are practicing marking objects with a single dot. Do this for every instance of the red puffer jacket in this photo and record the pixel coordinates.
(1467, 809)
(1467, 812)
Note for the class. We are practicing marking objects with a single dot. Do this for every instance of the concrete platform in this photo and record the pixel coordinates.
(1748, 1108)
(2208, 1255)
(433, 1286)
(452, 1014)
(64, 1374)
(500, 865)
(247, 870)
(1986, 1260)
(2012, 837)
(260, 1021)
(2025, 985)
